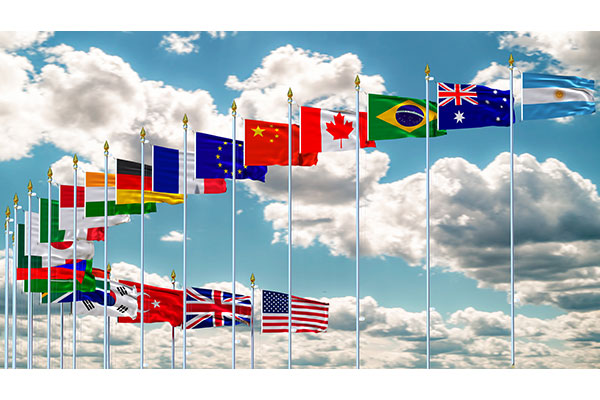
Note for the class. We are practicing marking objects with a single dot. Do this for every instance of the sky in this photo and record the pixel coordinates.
(67, 92)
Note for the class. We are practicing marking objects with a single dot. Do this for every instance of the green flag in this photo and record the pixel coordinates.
(57, 235)
(392, 117)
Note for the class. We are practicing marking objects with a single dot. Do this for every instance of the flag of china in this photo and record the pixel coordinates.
(160, 305)
(267, 144)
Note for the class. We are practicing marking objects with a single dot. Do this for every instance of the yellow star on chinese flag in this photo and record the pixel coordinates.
(258, 131)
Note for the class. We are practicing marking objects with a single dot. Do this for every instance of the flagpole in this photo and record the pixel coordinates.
(49, 315)
(62, 319)
(108, 269)
(14, 294)
(184, 291)
(142, 140)
(6, 285)
(357, 88)
(106, 252)
(252, 324)
(173, 328)
(29, 297)
(74, 311)
(290, 95)
(233, 174)
(512, 217)
(427, 256)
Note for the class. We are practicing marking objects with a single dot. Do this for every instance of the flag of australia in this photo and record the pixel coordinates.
(472, 106)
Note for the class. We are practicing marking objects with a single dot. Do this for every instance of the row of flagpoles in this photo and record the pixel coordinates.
(235, 144)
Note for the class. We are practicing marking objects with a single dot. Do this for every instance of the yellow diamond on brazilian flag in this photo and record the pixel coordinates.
(392, 117)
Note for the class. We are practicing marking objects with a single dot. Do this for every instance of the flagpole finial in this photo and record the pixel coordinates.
(29, 187)
(290, 95)
(185, 119)
(75, 161)
(173, 276)
(108, 268)
(511, 60)
(106, 147)
(252, 279)
(427, 70)
(16, 199)
(50, 174)
(143, 134)
(233, 108)
(7, 212)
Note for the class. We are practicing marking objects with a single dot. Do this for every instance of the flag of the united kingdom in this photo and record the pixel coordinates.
(207, 308)
(472, 106)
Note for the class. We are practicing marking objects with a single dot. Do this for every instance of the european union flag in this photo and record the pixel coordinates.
(472, 106)
(214, 159)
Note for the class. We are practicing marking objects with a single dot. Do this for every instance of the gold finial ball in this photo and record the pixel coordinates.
(290, 94)
(29, 186)
(7, 212)
(511, 60)
(50, 173)
(143, 133)
(108, 268)
(357, 81)
(16, 199)
(185, 119)
(173, 276)
(106, 146)
(427, 70)
(252, 279)
(75, 159)
(233, 107)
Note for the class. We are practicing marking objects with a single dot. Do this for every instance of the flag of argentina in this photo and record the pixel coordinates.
(553, 96)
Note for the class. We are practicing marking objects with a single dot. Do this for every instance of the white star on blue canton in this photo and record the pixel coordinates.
(459, 117)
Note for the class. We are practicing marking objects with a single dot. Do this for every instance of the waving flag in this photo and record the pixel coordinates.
(463, 106)
(307, 315)
(324, 130)
(160, 304)
(207, 308)
(94, 198)
(64, 271)
(554, 96)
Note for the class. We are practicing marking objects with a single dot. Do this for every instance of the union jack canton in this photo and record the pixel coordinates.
(207, 308)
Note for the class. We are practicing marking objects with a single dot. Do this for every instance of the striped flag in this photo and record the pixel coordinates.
(65, 215)
(94, 198)
(307, 315)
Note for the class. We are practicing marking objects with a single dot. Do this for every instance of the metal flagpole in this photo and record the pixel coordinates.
(29, 297)
(49, 314)
(184, 291)
(108, 269)
(233, 176)
(74, 311)
(252, 323)
(6, 286)
(512, 217)
(142, 140)
(290, 95)
(14, 285)
(427, 78)
(173, 328)
(106, 253)
(357, 88)
(62, 319)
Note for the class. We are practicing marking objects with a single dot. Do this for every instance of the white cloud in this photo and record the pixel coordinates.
(21, 40)
(62, 171)
(556, 220)
(217, 34)
(175, 43)
(173, 236)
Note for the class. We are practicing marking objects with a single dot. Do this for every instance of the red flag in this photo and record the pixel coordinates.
(160, 305)
(55, 273)
(267, 144)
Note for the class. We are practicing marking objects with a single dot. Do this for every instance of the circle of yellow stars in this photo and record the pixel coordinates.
(220, 165)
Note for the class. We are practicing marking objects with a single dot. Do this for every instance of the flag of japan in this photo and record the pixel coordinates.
(325, 130)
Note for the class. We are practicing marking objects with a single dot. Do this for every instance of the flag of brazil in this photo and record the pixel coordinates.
(392, 117)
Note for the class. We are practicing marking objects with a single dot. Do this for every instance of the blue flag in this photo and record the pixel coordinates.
(463, 106)
(214, 159)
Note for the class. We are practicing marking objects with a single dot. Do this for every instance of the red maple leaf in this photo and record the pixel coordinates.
(339, 129)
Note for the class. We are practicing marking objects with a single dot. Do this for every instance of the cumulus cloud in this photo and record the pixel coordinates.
(178, 44)
(557, 221)
(173, 236)
(217, 34)
(11, 41)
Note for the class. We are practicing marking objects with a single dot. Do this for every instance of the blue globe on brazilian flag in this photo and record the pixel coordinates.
(392, 117)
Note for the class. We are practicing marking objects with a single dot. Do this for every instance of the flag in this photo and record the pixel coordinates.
(393, 117)
(64, 271)
(65, 215)
(307, 315)
(60, 250)
(214, 159)
(94, 198)
(554, 96)
(59, 285)
(463, 106)
(62, 235)
(160, 304)
(324, 130)
(167, 174)
(129, 186)
(207, 308)
(267, 144)
(121, 300)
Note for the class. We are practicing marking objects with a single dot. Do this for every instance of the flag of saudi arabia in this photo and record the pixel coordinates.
(94, 198)
(392, 117)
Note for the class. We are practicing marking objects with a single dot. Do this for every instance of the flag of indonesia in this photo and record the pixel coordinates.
(325, 130)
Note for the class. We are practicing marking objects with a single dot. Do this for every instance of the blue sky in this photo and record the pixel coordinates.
(96, 86)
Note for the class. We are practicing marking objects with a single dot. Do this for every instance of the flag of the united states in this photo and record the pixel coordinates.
(307, 315)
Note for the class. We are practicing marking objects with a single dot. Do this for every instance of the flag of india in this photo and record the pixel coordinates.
(94, 198)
